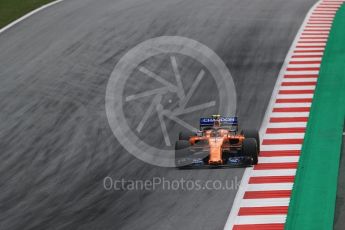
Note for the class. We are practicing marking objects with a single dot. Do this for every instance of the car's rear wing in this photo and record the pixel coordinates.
(224, 122)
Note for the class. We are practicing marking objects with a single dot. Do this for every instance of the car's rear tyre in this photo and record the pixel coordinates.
(185, 135)
(250, 133)
(250, 149)
(182, 153)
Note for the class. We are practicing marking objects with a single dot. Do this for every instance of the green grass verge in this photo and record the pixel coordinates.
(11, 10)
(313, 198)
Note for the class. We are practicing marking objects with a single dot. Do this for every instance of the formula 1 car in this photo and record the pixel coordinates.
(218, 143)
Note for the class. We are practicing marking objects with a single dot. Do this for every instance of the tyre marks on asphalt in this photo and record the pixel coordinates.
(268, 186)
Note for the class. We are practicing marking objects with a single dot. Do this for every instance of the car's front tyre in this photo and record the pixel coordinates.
(250, 133)
(250, 149)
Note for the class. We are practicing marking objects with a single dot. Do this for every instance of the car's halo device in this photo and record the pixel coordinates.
(218, 143)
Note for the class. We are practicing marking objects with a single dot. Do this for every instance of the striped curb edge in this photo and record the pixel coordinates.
(263, 198)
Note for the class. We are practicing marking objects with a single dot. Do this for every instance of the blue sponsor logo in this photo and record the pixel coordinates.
(223, 120)
(234, 160)
(197, 161)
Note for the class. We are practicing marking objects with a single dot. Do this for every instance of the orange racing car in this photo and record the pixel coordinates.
(218, 143)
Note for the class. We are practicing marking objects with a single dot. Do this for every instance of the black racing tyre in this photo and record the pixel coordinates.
(182, 153)
(250, 149)
(185, 135)
(250, 133)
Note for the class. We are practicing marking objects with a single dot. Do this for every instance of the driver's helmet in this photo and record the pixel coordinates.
(233, 128)
(216, 118)
(217, 123)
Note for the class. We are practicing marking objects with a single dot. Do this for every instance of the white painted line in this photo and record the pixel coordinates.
(290, 114)
(287, 125)
(308, 53)
(324, 15)
(323, 9)
(299, 87)
(310, 49)
(320, 27)
(289, 105)
(311, 40)
(277, 172)
(268, 202)
(314, 21)
(301, 72)
(281, 147)
(287, 96)
(306, 59)
(315, 32)
(278, 159)
(28, 15)
(318, 11)
(313, 24)
(312, 44)
(331, 3)
(314, 36)
(321, 40)
(310, 79)
(314, 51)
(326, 10)
(318, 14)
(305, 40)
(323, 18)
(318, 19)
(269, 187)
(263, 219)
(304, 65)
(284, 136)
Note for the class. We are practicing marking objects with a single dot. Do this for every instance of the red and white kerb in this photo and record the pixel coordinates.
(262, 201)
